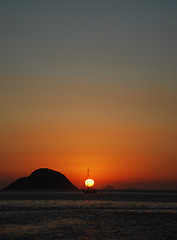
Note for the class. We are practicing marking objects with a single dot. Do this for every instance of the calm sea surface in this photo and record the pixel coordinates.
(74, 215)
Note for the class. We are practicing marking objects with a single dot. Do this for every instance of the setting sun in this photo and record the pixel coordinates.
(89, 183)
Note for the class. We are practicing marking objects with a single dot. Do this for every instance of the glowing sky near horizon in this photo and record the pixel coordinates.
(89, 84)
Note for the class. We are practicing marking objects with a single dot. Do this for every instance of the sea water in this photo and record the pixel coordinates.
(75, 215)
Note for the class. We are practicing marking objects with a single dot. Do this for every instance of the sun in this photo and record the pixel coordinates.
(89, 182)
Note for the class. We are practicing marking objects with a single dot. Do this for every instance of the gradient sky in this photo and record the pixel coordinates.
(89, 84)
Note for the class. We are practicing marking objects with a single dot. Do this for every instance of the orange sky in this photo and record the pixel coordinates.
(121, 156)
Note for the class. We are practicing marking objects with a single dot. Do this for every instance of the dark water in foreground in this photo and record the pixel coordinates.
(105, 215)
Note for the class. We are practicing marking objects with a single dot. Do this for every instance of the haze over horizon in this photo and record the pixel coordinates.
(89, 84)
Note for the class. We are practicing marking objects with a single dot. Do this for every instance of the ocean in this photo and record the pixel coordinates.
(75, 215)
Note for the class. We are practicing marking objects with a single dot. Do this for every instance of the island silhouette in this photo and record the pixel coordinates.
(42, 179)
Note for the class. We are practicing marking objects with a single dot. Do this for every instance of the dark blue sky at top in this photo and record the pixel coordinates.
(97, 38)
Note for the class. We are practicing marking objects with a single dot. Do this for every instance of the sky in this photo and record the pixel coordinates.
(89, 84)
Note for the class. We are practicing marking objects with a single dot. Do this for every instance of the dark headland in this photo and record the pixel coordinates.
(42, 179)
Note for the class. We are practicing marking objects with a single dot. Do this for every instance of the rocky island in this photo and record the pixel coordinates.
(42, 179)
